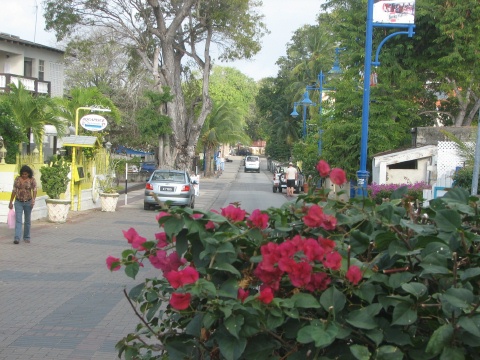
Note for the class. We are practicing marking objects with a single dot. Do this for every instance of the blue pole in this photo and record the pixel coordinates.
(304, 121)
(320, 131)
(363, 174)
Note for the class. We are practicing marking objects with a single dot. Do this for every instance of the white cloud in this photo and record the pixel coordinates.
(282, 17)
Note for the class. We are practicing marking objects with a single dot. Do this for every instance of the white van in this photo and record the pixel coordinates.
(252, 163)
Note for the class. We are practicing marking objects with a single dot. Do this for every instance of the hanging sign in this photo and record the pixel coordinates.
(394, 12)
(93, 122)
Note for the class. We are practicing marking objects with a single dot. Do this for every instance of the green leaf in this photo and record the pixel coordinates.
(230, 347)
(359, 241)
(419, 228)
(136, 291)
(234, 324)
(388, 352)
(470, 273)
(173, 225)
(303, 300)
(321, 334)
(131, 270)
(439, 339)
(383, 240)
(403, 314)
(181, 245)
(469, 325)
(416, 289)
(179, 348)
(433, 269)
(399, 248)
(364, 318)
(194, 327)
(226, 247)
(333, 298)
(360, 352)
(448, 220)
(366, 291)
(450, 353)
(229, 288)
(227, 267)
(274, 321)
(398, 279)
(376, 335)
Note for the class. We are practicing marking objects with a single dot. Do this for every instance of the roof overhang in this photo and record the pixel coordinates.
(81, 141)
(406, 155)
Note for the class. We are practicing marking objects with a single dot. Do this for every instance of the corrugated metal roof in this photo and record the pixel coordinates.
(18, 40)
(80, 141)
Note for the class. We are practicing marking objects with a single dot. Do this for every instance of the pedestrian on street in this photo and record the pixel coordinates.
(24, 192)
(291, 174)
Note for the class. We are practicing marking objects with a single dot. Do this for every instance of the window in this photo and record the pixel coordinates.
(27, 67)
(412, 165)
(41, 70)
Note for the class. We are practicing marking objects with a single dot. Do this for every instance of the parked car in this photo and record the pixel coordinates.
(148, 167)
(174, 186)
(252, 163)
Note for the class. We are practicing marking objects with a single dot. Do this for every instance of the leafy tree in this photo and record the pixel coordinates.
(164, 35)
(12, 134)
(31, 113)
(223, 126)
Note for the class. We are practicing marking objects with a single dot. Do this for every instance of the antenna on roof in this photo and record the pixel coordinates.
(36, 13)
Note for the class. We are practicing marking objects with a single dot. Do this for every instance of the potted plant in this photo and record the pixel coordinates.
(108, 190)
(54, 179)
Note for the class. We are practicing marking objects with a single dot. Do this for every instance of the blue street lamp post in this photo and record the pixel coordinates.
(363, 174)
(305, 102)
(335, 70)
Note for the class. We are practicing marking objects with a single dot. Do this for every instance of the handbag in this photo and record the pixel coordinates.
(11, 219)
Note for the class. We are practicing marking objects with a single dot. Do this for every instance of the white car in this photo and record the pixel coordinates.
(252, 163)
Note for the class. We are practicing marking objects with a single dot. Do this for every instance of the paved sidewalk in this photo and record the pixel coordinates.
(57, 298)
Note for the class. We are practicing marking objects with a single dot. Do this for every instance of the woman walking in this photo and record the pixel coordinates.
(24, 192)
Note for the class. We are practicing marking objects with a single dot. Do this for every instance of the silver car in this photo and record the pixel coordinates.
(169, 185)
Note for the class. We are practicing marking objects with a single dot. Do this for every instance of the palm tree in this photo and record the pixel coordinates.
(32, 113)
(223, 125)
(84, 97)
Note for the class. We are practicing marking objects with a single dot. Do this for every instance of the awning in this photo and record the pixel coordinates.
(49, 130)
(81, 141)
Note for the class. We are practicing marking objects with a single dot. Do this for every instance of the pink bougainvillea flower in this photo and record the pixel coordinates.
(161, 214)
(257, 220)
(301, 274)
(110, 261)
(138, 242)
(177, 279)
(180, 301)
(134, 259)
(242, 294)
(327, 244)
(323, 168)
(329, 222)
(314, 217)
(166, 263)
(130, 234)
(313, 250)
(233, 213)
(354, 274)
(196, 216)
(319, 282)
(161, 238)
(333, 261)
(266, 295)
(338, 176)
(210, 225)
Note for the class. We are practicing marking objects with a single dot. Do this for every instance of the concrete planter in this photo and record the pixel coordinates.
(57, 210)
(109, 201)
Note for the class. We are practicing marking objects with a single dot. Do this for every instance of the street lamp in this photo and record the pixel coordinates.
(336, 70)
(305, 102)
(363, 174)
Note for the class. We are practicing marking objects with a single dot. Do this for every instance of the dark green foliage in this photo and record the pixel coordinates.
(54, 177)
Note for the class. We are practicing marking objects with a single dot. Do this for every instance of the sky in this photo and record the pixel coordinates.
(282, 17)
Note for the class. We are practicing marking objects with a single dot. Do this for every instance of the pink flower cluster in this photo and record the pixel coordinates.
(337, 175)
(297, 259)
(317, 218)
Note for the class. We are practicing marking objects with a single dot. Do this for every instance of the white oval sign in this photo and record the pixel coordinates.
(93, 122)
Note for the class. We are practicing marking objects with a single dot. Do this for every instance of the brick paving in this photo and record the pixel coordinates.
(57, 298)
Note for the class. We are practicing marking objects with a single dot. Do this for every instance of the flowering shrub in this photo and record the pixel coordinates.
(318, 278)
(384, 191)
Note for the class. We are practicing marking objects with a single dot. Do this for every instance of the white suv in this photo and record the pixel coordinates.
(252, 163)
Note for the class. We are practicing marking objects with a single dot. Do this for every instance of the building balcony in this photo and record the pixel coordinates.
(31, 84)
